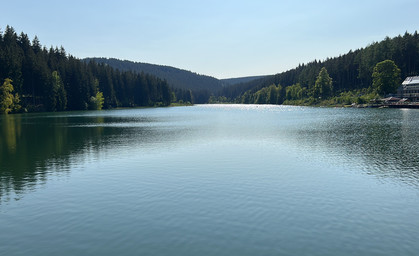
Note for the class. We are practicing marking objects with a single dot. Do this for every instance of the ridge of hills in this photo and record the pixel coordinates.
(349, 71)
(52, 80)
(240, 80)
(176, 77)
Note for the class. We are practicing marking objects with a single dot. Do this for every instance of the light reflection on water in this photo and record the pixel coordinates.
(210, 180)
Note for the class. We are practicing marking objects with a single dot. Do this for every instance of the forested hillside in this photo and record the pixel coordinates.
(351, 71)
(50, 79)
(35, 78)
(240, 80)
(177, 78)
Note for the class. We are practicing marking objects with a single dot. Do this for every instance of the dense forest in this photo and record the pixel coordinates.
(350, 72)
(41, 79)
(177, 78)
(34, 78)
(188, 86)
(239, 80)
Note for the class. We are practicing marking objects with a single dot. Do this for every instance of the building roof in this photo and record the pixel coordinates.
(411, 80)
(391, 99)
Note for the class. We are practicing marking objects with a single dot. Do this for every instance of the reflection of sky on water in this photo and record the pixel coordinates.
(224, 180)
(375, 141)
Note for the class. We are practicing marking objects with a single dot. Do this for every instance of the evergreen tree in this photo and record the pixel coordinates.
(55, 81)
(351, 71)
(273, 94)
(60, 95)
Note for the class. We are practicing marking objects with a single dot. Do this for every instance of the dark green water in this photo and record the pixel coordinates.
(210, 180)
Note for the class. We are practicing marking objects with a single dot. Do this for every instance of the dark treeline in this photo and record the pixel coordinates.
(240, 80)
(175, 77)
(52, 80)
(188, 86)
(352, 71)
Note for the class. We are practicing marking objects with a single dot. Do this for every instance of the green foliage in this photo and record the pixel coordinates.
(16, 107)
(350, 71)
(99, 100)
(295, 92)
(386, 77)
(96, 102)
(57, 100)
(218, 100)
(177, 78)
(361, 96)
(354, 97)
(308, 101)
(8, 101)
(267, 95)
(173, 97)
(49, 79)
(323, 87)
(6, 96)
(183, 96)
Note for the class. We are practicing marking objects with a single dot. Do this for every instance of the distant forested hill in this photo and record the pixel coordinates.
(52, 80)
(240, 80)
(175, 77)
(351, 71)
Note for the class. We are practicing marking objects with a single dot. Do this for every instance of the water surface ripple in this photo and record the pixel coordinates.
(210, 180)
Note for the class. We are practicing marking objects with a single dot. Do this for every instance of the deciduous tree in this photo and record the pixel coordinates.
(323, 87)
(386, 77)
(8, 101)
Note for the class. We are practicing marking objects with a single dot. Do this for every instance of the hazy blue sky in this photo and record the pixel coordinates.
(220, 38)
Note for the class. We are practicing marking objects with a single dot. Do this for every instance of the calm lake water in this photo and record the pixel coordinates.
(210, 180)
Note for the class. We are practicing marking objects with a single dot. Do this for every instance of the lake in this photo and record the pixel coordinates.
(210, 180)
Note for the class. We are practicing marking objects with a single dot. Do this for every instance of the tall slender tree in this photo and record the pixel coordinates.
(323, 87)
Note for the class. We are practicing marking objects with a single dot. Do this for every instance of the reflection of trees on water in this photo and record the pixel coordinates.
(36, 146)
(28, 150)
(384, 141)
(381, 142)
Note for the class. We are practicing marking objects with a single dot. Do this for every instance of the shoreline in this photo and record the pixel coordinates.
(415, 106)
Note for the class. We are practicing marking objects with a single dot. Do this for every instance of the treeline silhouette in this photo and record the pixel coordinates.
(351, 71)
(31, 65)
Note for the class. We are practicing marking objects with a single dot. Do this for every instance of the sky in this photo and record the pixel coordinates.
(219, 38)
